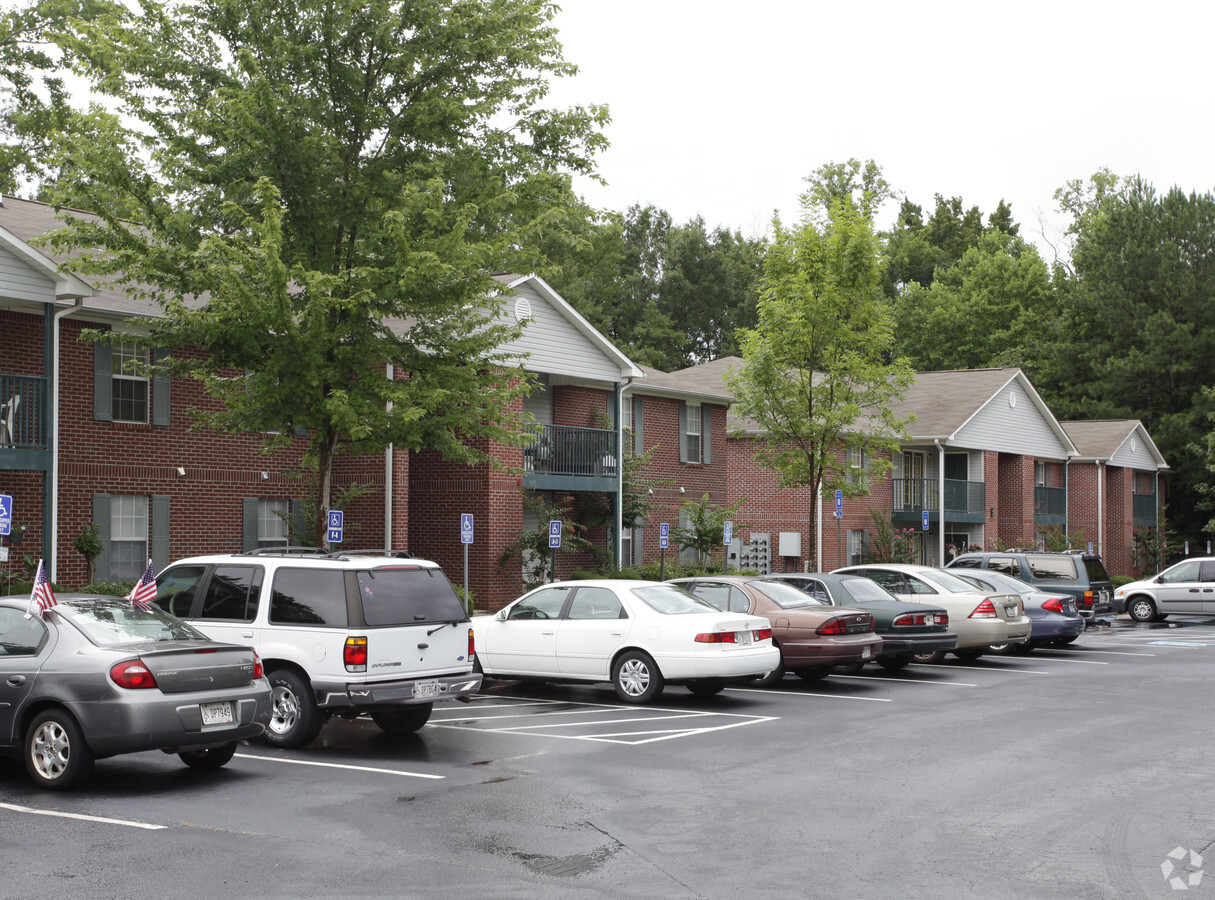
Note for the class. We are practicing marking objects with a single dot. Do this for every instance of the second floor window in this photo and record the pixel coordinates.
(129, 393)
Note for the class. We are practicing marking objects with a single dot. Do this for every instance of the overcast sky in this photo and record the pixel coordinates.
(721, 109)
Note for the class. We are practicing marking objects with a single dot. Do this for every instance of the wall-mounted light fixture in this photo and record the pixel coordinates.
(992, 512)
(681, 490)
(265, 476)
(651, 491)
(181, 473)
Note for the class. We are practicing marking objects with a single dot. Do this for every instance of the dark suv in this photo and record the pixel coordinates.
(1076, 574)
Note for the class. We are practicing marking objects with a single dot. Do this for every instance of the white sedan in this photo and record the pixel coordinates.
(639, 635)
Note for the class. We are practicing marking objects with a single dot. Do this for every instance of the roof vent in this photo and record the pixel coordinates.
(523, 309)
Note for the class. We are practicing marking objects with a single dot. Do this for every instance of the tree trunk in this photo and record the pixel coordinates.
(324, 490)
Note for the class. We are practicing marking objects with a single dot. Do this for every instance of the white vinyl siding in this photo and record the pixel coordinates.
(553, 344)
(21, 282)
(1020, 428)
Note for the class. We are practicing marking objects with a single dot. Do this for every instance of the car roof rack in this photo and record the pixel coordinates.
(285, 551)
(393, 554)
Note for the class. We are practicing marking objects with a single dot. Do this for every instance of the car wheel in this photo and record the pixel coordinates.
(814, 673)
(706, 688)
(968, 655)
(894, 663)
(1027, 646)
(295, 720)
(1141, 609)
(56, 754)
(403, 721)
(773, 678)
(932, 656)
(636, 678)
(211, 758)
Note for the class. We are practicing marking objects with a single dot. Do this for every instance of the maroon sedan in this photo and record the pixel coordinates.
(812, 637)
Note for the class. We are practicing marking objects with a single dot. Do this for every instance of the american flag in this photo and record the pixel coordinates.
(42, 593)
(144, 591)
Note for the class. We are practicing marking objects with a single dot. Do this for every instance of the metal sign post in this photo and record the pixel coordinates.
(727, 538)
(554, 542)
(664, 541)
(466, 538)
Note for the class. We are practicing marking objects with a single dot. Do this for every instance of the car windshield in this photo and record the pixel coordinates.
(786, 596)
(863, 590)
(952, 582)
(673, 601)
(117, 621)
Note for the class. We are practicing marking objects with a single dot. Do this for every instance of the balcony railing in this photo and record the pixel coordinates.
(1050, 505)
(1143, 509)
(911, 496)
(23, 413)
(577, 458)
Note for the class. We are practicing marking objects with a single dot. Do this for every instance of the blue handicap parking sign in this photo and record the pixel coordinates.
(6, 514)
(466, 528)
(664, 535)
(554, 533)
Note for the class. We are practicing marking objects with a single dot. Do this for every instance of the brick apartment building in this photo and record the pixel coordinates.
(82, 441)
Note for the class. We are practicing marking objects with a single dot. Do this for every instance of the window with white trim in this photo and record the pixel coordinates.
(129, 389)
(128, 537)
(272, 523)
(626, 546)
(693, 433)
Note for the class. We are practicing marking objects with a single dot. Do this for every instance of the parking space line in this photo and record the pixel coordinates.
(614, 721)
(908, 680)
(325, 765)
(1048, 653)
(614, 737)
(1010, 671)
(804, 694)
(126, 823)
(1087, 662)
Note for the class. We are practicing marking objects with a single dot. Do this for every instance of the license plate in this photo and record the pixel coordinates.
(742, 637)
(424, 690)
(864, 653)
(216, 713)
(1012, 611)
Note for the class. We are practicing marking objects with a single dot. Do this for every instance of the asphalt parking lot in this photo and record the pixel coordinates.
(1074, 772)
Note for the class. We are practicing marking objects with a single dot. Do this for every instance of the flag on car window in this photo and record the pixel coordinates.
(42, 593)
(144, 591)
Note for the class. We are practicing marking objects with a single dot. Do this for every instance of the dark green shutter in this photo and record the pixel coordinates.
(103, 384)
(706, 422)
(161, 408)
(638, 439)
(160, 533)
(101, 515)
(683, 432)
(299, 525)
(249, 524)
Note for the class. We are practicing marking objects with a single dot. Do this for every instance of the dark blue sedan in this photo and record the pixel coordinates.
(1055, 618)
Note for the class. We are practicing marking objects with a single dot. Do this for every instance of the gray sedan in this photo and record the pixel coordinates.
(94, 677)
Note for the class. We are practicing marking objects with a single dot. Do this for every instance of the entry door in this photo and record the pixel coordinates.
(913, 479)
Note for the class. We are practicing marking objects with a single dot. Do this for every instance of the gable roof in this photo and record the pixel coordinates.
(686, 384)
(1121, 441)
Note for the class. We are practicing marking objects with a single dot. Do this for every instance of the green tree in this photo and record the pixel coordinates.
(706, 526)
(338, 180)
(816, 375)
(531, 547)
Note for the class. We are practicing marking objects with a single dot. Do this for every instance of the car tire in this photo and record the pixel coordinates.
(932, 656)
(895, 663)
(773, 678)
(57, 756)
(211, 758)
(708, 687)
(1141, 609)
(968, 655)
(403, 721)
(813, 673)
(636, 678)
(295, 720)
(1027, 646)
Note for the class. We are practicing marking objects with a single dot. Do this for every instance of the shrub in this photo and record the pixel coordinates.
(108, 588)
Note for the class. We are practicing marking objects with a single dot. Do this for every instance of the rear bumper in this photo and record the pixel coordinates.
(727, 664)
(406, 692)
(980, 633)
(1056, 627)
(918, 643)
(844, 649)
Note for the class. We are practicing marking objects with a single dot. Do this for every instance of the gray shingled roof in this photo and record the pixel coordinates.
(1101, 438)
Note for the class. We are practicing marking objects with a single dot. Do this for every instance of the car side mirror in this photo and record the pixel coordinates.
(501, 616)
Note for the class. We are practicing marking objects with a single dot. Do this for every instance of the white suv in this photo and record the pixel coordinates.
(374, 633)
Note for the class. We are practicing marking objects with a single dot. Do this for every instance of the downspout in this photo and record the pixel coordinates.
(940, 501)
(1067, 500)
(54, 419)
(388, 485)
(818, 532)
(1100, 513)
(1156, 501)
(619, 392)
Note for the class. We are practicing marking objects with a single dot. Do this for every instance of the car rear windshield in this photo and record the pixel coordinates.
(117, 621)
(672, 601)
(408, 595)
(1058, 568)
(786, 596)
(1096, 571)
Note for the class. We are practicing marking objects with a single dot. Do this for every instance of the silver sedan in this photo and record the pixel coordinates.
(94, 677)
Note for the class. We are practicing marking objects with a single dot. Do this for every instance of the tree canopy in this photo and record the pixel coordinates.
(336, 181)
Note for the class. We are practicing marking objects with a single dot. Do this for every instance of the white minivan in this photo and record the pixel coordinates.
(1186, 589)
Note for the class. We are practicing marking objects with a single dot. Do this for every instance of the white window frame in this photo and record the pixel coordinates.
(694, 431)
(273, 518)
(122, 380)
(129, 535)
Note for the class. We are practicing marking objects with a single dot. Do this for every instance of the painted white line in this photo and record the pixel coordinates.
(1048, 654)
(580, 724)
(804, 694)
(1087, 662)
(325, 765)
(908, 680)
(99, 819)
(663, 735)
(568, 712)
(985, 669)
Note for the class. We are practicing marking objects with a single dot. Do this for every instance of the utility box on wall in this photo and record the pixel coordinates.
(790, 544)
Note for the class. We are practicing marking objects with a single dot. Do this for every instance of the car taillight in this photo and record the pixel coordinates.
(354, 655)
(985, 610)
(258, 671)
(716, 637)
(1054, 604)
(132, 674)
(1088, 598)
(832, 626)
(922, 619)
(762, 634)
(472, 646)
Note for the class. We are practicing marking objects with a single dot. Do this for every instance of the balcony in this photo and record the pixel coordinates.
(965, 501)
(1050, 505)
(1143, 510)
(564, 458)
(24, 425)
